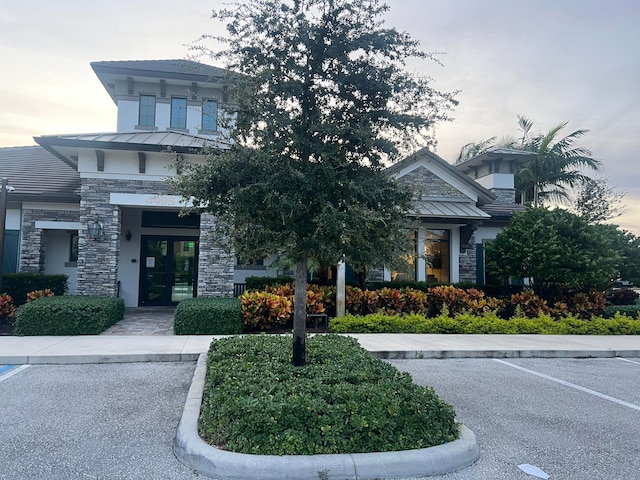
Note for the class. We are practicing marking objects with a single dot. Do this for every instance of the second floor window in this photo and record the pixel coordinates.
(147, 113)
(178, 112)
(210, 115)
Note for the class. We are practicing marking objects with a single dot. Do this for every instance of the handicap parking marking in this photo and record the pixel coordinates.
(571, 385)
(7, 371)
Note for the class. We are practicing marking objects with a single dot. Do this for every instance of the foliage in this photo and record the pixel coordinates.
(489, 323)
(597, 201)
(554, 249)
(7, 308)
(628, 245)
(36, 294)
(260, 283)
(19, 284)
(208, 316)
(321, 100)
(264, 310)
(621, 296)
(632, 311)
(342, 401)
(68, 315)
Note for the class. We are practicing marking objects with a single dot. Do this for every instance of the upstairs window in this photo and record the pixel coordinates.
(210, 115)
(147, 113)
(178, 112)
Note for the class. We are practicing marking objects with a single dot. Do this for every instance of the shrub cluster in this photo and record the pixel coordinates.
(18, 285)
(7, 308)
(485, 324)
(343, 401)
(622, 296)
(208, 316)
(68, 315)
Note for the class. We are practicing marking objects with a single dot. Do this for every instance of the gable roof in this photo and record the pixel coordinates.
(37, 175)
(484, 195)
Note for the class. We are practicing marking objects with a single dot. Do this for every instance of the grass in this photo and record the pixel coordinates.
(342, 401)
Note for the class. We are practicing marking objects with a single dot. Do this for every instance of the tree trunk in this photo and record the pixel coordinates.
(300, 314)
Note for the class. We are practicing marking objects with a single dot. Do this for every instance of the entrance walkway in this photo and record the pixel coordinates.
(144, 321)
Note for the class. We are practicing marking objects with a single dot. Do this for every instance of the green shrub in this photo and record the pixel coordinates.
(632, 311)
(19, 284)
(68, 315)
(208, 316)
(342, 401)
(488, 323)
(259, 283)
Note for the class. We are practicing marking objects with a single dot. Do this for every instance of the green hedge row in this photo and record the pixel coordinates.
(342, 401)
(486, 324)
(208, 316)
(19, 284)
(632, 311)
(68, 315)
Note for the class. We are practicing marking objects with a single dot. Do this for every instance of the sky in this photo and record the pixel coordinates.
(550, 60)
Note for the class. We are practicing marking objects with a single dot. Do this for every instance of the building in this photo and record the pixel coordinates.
(96, 207)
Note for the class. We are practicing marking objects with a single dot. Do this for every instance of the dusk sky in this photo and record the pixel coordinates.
(550, 60)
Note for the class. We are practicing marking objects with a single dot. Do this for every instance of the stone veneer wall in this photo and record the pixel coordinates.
(467, 263)
(98, 259)
(426, 183)
(505, 196)
(34, 239)
(215, 265)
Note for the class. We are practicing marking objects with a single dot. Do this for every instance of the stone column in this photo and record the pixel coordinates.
(215, 264)
(98, 259)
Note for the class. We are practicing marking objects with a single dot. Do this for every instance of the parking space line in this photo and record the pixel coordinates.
(627, 360)
(571, 385)
(11, 372)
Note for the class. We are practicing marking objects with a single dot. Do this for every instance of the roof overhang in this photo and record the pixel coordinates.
(446, 209)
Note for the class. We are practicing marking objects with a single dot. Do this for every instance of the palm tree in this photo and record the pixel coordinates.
(557, 165)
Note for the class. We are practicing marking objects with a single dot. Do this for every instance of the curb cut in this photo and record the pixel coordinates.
(212, 462)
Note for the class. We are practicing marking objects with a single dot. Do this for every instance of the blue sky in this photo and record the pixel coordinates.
(551, 60)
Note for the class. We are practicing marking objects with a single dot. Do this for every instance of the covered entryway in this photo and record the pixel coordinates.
(168, 269)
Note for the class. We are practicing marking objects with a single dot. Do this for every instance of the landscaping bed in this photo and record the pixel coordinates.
(342, 401)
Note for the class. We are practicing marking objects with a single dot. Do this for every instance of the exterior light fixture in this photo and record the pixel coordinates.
(95, 229)
(128, 235)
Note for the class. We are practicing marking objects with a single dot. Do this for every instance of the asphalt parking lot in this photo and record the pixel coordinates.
(571, 418)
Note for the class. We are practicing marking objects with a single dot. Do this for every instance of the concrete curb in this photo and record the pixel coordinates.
(192, 451)
(450, 354)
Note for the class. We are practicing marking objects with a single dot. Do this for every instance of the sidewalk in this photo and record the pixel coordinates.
(175, 348)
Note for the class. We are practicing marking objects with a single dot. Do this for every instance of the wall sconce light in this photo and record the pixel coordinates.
(128, 235)
(95, 229)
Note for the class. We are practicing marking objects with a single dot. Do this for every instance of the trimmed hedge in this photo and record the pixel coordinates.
(208, 316)
(19, 284)
(342, 401)
(68, 315)
(632, 311)
(259, 283)
(485, 324)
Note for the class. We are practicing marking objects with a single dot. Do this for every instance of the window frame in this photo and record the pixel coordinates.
(178, 109)
(207, 121)
(145, 110)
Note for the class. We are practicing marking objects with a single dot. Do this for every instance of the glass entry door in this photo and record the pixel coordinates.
(167, 269)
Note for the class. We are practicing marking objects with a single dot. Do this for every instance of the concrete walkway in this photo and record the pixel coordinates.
(173, 348)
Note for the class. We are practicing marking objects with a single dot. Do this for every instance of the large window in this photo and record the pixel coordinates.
(147, 113)
(178, 112)
(436, 254)
(210, 115)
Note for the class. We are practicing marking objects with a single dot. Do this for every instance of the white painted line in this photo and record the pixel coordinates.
(13, 371)
(627, 360)
(571, 385)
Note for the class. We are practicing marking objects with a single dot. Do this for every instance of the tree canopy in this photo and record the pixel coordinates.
(322, 101)
(554, 249)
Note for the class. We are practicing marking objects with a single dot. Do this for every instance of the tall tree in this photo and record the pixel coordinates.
(557, 165)
(597, 201)
(323, 101)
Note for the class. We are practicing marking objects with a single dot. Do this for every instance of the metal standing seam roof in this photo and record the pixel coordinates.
(450, 209)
